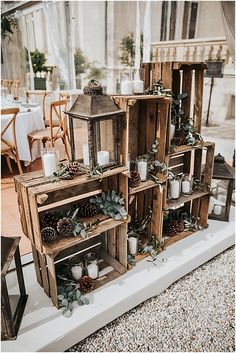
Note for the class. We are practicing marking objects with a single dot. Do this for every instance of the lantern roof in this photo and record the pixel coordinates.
(222, 170)
(93, 107)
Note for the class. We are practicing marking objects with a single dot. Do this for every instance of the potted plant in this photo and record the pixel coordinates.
(38, 63)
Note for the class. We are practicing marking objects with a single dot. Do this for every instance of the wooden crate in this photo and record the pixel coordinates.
(146, 121)
(180, 77)
(191, 161)
(111, 247)
(37, 194)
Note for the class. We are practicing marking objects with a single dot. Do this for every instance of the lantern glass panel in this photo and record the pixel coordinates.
(80, 131)
(218, 201)
(105, 141)
(13, 290)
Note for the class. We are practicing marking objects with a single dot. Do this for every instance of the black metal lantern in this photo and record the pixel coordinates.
(13, 304)
(222, 182)
(94, 122)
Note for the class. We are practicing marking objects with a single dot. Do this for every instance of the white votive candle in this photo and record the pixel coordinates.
(217, 210)
(93, 271)
(142, 170)
(102, 157)
(49, 164)
(85, 153)
(126, 87)
(132, 241)
(138, 86)
(186, 187)
(172, 131)
(77, 272)
(174, 189)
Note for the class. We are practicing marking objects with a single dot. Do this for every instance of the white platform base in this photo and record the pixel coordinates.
(45, 329)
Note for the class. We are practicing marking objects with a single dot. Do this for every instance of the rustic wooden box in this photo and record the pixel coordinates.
(191, 161)
(180, 77)
(37, 194)
(147, 119)
(111, 247)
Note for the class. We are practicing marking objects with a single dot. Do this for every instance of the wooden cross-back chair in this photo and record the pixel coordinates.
(8, 84)
(9, 149)
(64, 95)
(16, 84)
(53, 133)
(42, 94)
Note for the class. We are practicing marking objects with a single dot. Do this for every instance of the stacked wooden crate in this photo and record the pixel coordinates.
(147, 118)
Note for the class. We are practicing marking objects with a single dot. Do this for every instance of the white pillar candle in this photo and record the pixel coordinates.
(172, 131)
(174, 189)
(132, 245)
(142, 170)
(126, 87)
(77, 272)
(186, 187)
(93, 270)
(85, 153)
(49, 164)
(217, 210)
(138, 86)
(102, 157)
(127, 164)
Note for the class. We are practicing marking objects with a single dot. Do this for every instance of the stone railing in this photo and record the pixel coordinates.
(191, 50)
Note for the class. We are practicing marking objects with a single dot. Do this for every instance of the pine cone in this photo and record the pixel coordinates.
(49, 219)
(74, 168)
(65, 227)
(180, 226)
(48, 234)
(179, 138)
(170, 228)
(134, 179)
(86, 209)
(86, 284)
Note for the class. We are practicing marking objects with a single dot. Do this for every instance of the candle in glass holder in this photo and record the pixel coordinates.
(217, 210)
(77, 272)
(92, 270)
(138, 86)
(49, 160)
(102, 157)
(132, 241)
(85, 153)
(175, 188)
(142, 169)
(126, 87)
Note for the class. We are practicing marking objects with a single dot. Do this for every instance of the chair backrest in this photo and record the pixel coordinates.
(57, 110)
(64, 95)
(10, 125)
(39, 93)
(8, 84)
(16, 84)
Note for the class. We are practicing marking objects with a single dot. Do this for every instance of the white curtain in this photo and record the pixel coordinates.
(56, 28)
(228, 15)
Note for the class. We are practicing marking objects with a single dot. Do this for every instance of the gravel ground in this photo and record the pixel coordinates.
(194, 314)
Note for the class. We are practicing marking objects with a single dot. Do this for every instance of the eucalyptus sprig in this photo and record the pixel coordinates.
(95, 171)
(68, 291)
(198, 185)
(153, 246)
(81, 229)
(137, 228)
(158, 89)
(192, 224)
(191, 134)
(111, 204)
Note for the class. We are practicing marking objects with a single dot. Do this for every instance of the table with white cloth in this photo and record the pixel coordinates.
(26, 122)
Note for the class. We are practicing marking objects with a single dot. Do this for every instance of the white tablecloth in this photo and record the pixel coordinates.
(26, 122)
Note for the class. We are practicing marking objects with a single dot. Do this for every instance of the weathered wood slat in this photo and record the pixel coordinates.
(198, 99)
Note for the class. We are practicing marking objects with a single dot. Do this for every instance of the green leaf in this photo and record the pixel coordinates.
(67, 313)
(64, 302)
(83, 233)
(75, 213)
(84, 300)
(118, 217)
(60, 297)
(80, 302)
(78, 294)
